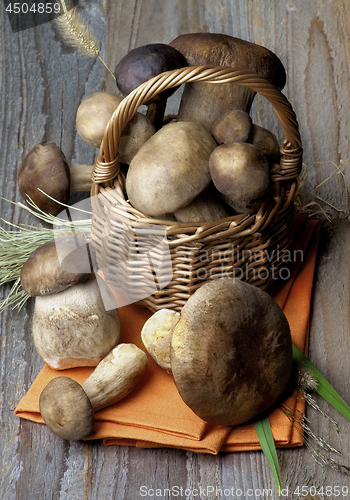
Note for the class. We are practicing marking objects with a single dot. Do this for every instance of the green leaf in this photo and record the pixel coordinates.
(263, 430)
(323, 388)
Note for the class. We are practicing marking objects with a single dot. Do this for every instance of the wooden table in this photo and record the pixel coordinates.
(42, 83)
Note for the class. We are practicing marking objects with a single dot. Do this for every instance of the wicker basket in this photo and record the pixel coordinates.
(160, 263)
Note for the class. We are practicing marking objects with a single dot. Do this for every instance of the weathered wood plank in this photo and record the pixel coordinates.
(42, 82)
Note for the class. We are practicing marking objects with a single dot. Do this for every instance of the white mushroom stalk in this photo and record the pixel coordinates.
(115, 376)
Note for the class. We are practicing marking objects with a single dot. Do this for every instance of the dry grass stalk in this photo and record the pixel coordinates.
(77, 34)
(316, 208)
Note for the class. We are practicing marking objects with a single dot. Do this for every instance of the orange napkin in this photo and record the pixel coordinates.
(154, 415)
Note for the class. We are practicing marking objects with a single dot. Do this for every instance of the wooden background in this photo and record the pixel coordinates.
(42, 82)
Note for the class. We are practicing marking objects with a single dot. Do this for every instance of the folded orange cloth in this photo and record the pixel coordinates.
(154, 415)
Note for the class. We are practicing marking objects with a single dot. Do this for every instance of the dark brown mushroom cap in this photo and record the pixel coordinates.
(145, 62)
(66, 409)
(225, 50)
(231, 352)
(42, 273)
(45, 167)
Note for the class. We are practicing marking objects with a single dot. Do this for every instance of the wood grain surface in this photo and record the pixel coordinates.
(42, 82)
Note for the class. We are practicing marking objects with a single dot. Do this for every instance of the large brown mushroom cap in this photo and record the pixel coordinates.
(203, 102)
(225, 50)
(42, 273)
(66, 409)
(170, 169)
(93, 115)
(45, 167)
(231, 352)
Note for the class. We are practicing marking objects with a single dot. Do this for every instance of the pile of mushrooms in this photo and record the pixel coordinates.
(212, 134)
(229, 350)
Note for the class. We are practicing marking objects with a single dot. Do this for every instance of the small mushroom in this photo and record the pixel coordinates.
(240, 172)
(170, 169)
(230, 353)
(204, 208)
(266, 141)
(92, 117)
(68, 408)
(204, 102)
(143, 63)
(45, 167)
(233, 126)
(156, 336)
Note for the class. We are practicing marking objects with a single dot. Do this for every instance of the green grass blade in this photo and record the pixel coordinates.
(263, 430)
(324, 388)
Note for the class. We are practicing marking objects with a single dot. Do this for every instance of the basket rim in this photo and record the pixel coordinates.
(106, 168)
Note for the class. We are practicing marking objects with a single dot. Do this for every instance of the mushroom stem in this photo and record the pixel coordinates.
(115, 376)
(155, 113)
(80, 177)
(203, 102)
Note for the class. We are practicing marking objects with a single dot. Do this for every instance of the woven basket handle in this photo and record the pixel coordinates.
(107, 164)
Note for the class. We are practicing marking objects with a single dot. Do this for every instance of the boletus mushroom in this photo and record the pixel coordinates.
(204, 102)
(241, 173)
(206, 207)
(143, 63)
(45, 171)
(68, 408)
(92, 117)
(266, 141)
(230, 353)
(170, 169)
(71, 326)
(233, 126)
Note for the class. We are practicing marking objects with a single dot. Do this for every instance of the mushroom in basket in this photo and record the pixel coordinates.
(92, 117)
(204, 102)
(140, 65)
(171, 171)
(241, 173)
